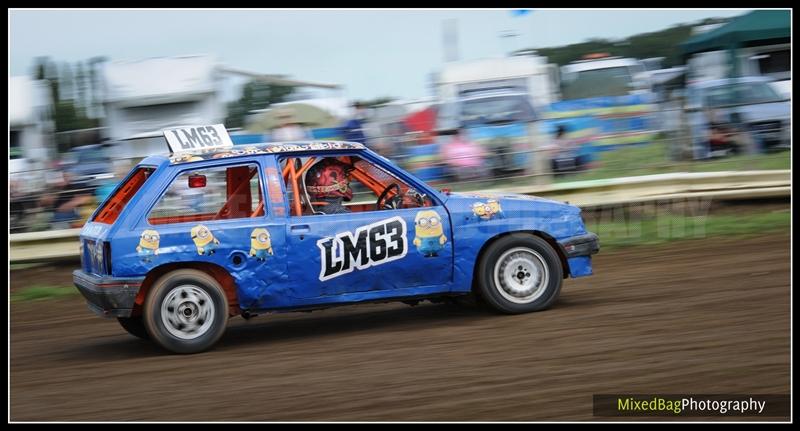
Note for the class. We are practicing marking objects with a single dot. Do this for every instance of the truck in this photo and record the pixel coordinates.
(606, 101)
(598, 75)
(528, 74)
(498, 102)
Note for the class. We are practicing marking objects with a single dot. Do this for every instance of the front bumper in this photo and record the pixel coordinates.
(108, 296)
(581, 245)
(578, 251)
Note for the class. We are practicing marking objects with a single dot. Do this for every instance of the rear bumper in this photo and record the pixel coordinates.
(108, 296)
(580, 245)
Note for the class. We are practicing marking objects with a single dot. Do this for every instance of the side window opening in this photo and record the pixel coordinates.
(351, 185)
(218, 193)
(115, 203)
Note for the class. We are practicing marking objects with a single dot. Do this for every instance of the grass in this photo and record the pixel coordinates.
(655, 159)
(35, 293)
(616, 231)
(18, 266)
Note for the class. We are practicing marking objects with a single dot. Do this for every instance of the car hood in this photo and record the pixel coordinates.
(513, 201)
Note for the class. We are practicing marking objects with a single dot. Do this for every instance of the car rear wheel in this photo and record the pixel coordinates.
(520, 273)
(134, 326)
(186, 311)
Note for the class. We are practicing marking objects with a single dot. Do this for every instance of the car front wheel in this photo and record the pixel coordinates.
(520, 273)
(186, 311)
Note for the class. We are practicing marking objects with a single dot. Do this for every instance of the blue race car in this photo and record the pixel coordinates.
(213, 231)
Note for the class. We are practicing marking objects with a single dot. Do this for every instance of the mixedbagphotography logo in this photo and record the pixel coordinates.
(688, 405)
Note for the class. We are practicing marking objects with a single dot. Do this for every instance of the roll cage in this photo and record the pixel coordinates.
(294, 168)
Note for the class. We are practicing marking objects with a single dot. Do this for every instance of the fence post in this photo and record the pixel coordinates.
(684, 136)
(542, 174)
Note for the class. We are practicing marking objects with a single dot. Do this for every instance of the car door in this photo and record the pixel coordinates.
(370, 254)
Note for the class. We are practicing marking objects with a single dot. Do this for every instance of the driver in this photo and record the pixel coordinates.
(329, 182)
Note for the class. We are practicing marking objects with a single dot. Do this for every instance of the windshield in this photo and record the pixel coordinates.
(610, 81)
(84, 156)
(91, 156)
(497, 109)
(740, 93)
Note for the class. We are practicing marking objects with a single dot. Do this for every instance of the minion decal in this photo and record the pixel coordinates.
(260, 243)
(204, 240)
(430, 237)
(487, 210)
(148, 245)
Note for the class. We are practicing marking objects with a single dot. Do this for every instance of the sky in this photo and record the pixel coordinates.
(372, 53)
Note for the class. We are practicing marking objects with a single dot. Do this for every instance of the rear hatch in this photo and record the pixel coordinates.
(95, 236)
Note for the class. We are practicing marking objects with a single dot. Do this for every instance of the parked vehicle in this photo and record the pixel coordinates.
(88, 165)
(502, 121)
(737, 115)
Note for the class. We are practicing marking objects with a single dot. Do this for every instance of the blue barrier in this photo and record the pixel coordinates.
(604, 123)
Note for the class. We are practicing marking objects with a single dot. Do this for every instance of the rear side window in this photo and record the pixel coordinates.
(208, 194)
(116, 203)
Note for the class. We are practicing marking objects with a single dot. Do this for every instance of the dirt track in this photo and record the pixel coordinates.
(692, 317)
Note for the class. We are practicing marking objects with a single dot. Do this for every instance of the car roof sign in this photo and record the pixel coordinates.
(193, 138)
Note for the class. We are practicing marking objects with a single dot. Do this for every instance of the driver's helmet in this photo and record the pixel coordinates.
(329, 179)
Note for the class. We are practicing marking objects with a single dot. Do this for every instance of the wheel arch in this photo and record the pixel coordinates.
(537, 233)
(220, 274)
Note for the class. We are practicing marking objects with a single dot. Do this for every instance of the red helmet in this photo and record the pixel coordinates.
(329, 179)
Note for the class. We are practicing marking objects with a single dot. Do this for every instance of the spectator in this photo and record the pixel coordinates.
(722, 135)
(353, 129)
(289, 129)
(66, 202)
(465, 158)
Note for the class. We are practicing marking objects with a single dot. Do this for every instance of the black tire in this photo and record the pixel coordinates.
(536, 259)
(176, 329)
(134, 326)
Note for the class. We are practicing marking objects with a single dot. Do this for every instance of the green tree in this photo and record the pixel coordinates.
(663, 43)
(371, 103)
(81, 87)
(67, 82)
(67, 114)
(255, 95)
